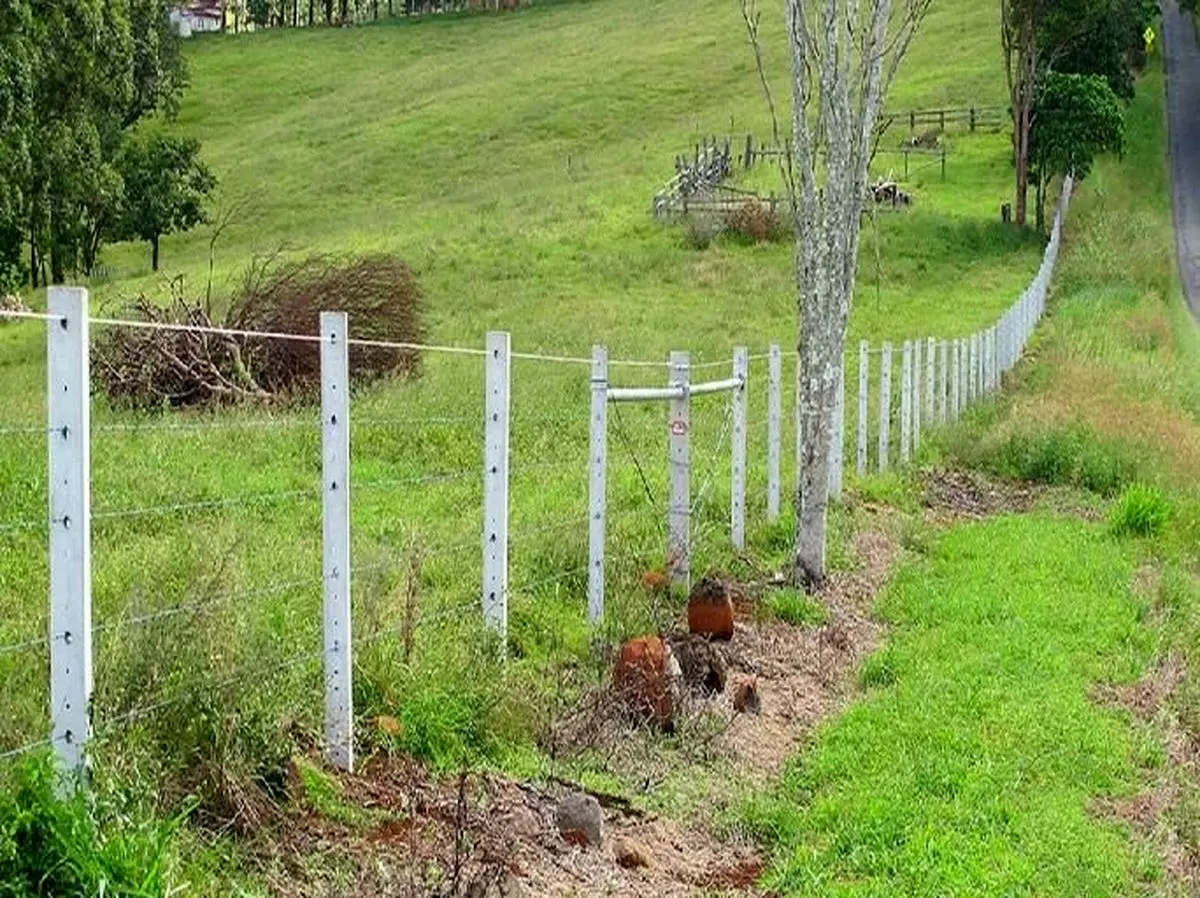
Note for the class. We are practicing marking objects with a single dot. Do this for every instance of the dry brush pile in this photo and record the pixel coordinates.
(149, 368)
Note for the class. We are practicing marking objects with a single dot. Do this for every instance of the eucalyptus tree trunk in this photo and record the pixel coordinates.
(844, 56)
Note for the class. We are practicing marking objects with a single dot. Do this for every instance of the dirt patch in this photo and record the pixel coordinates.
(485, 836)
(954, 495)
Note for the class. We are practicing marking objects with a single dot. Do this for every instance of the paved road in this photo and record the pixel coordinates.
(1183, 113)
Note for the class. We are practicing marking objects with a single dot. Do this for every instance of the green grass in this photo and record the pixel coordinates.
(969, 766)
(796, 608)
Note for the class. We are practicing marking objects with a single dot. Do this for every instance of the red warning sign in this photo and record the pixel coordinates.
(678, 427)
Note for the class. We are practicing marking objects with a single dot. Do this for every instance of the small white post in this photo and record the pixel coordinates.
(69, 413)
(956, 379)
(944, 382)
(837, 449)
(774, 429)
(930, 380)
(973, 369)
(737, 504)
(679, 513)
(335, 514)
(597, 485)
(864, 377)
(916, 396)
(906, 370)
(885, 404)
(497, 375)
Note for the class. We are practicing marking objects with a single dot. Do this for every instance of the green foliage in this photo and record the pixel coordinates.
(1069, 456)
(796, 608)
(51, 846)
(1077, 117)
(166, 186)
(1100, 37)
(969, 767)
(1142, 511)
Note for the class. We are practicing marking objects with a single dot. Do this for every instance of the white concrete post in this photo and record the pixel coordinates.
(679, 514)
(885, 404)
(956, 379)
(864, 378)
(598, 485)
(497, 382)
(916, 396)
(906, 370)
(69, 413)
(973, 369)
(930, 380)
(944, 382)
(335, 515)
(737, 504)
(774, 429)
(837, 449)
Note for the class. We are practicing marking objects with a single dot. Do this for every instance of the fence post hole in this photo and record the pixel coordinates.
(906, 366)
(885, 404)
(679, 513)
(497, 373)
(955, 379)
(737, 504)
(69, 413)
(774, 429)
(837, 449)
(916, 396)
(864, 378)
(943, 381)
(930, 378)
(597, 484)
(335, 516)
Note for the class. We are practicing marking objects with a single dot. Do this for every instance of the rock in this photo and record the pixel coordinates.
(745, 696)
(579, 819)
(644, 681)
(521, 822)
(630, 853)
(701, 663)
(710, 609)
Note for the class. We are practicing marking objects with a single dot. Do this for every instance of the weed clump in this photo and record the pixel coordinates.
(794, 607)
(754, 221)
(1142, 511)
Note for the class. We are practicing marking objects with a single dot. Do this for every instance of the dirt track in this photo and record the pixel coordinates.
(1183, 112)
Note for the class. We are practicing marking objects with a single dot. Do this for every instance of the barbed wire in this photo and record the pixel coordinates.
(26, 748)
(438, 617)
(208, 605)
(441, 552)
(409, 423)
(19, 526)
(202, 505)
(265, 424)
(716, 457)
(13, 648)
(530, 586)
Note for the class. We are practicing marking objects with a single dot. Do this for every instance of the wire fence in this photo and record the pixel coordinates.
(224, 550)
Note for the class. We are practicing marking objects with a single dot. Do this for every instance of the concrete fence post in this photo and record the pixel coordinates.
(737, 504)
(497, 387)
(774, 429)
(930, 380)
(944, 382)
(837, 449)
(917, 380)
(864, 378)
(679, 513)
(906, 372)
(335, 515)
(598, 485)
(69, 413)
(885, 404)
(956, 379)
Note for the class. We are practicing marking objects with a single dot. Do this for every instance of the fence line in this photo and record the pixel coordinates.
(938, 380)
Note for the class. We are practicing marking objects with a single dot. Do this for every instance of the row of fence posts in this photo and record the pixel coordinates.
(956, 373)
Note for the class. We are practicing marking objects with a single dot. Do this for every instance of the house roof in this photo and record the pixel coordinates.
(208, 9)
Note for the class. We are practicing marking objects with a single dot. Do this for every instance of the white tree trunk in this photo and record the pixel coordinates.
(841, 65)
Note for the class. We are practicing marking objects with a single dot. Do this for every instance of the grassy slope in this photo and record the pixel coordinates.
(448, 140)
(970, 767)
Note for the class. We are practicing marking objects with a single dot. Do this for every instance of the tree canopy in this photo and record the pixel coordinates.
(76, 76)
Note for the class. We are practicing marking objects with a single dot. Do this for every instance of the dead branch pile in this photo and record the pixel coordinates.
(149, 368)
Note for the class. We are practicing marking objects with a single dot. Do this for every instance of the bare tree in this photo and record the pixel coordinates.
(845, 54)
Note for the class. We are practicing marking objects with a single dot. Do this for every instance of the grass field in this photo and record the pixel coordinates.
(975, 760)
(517, 178)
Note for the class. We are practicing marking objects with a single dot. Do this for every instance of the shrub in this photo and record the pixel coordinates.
(701, 230)
(78, 846)
(794, 607)
(1142, 511)
(755, 222)
(148, 369)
